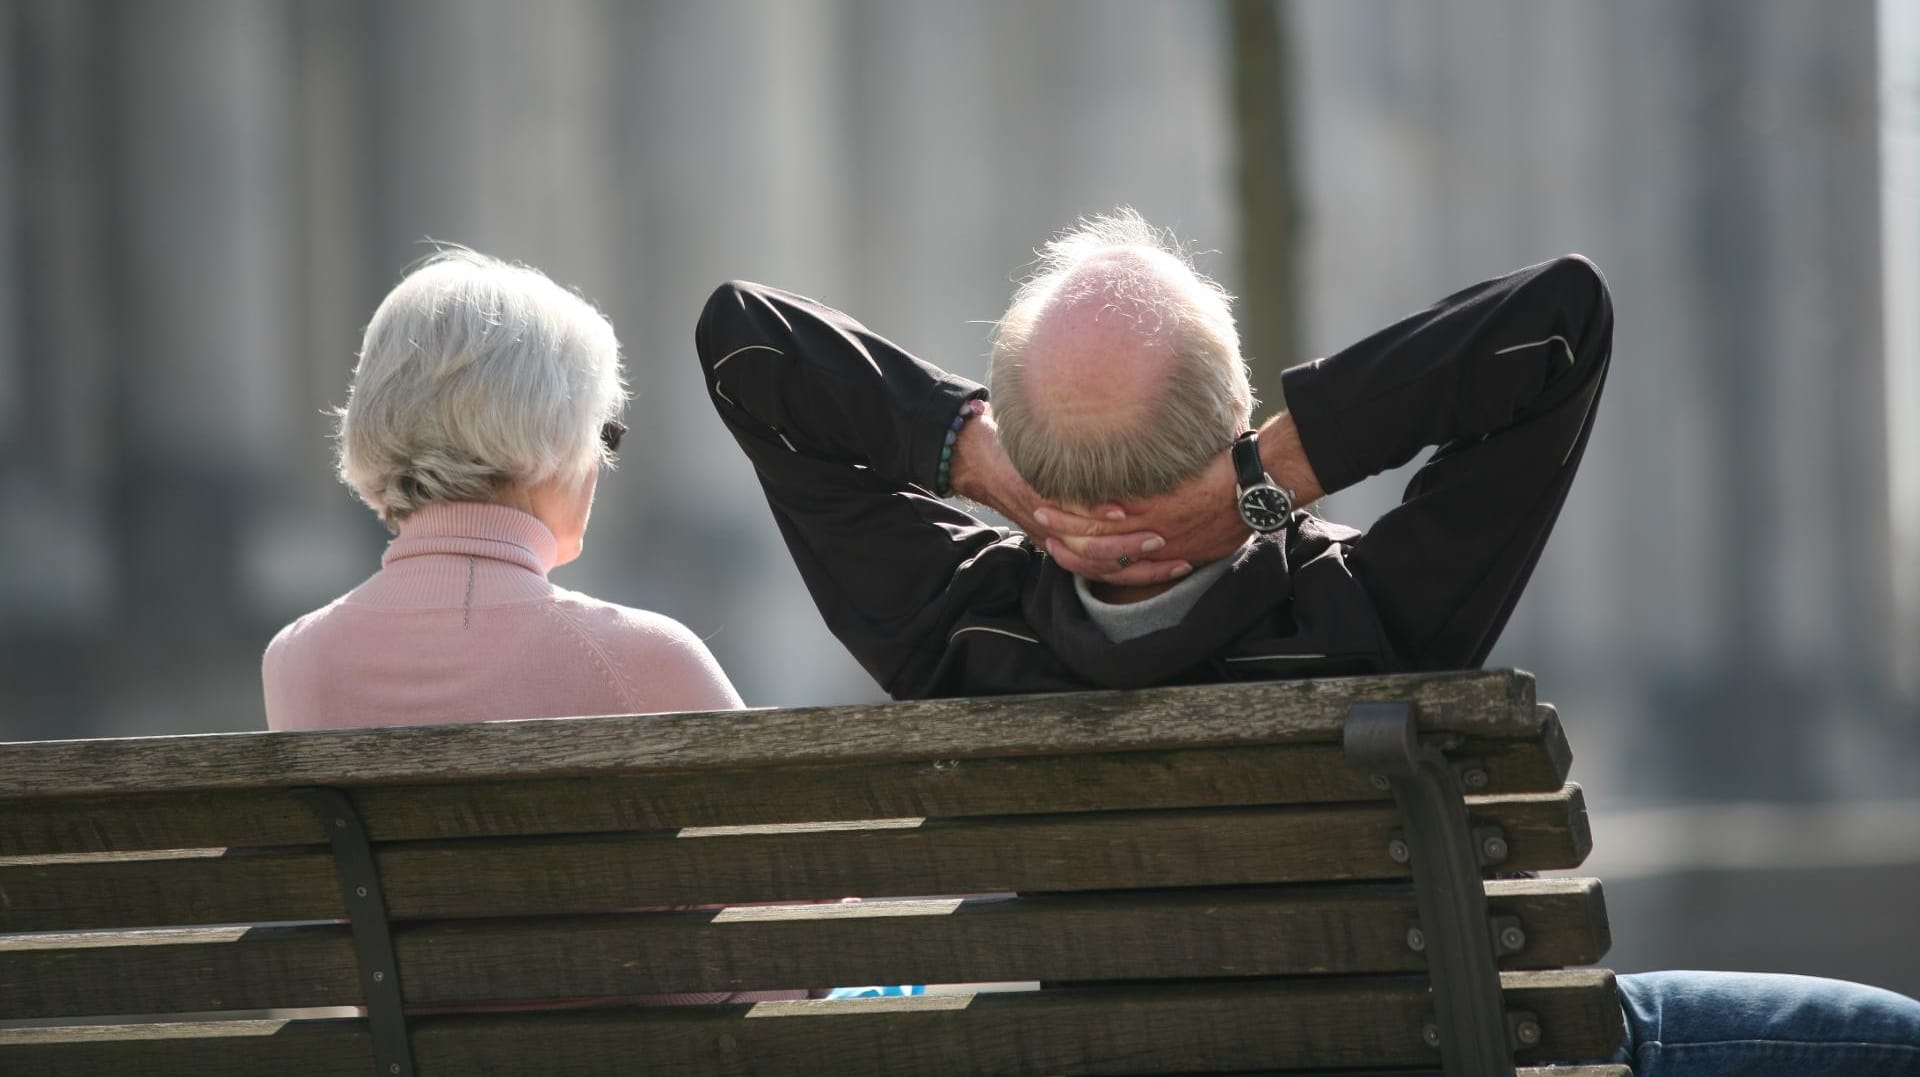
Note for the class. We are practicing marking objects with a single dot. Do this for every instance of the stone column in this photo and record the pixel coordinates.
(1900, 284)
(61, 428)
(731, 146)
(210, 337)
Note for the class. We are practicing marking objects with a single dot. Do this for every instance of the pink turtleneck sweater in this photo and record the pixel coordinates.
(462, 625)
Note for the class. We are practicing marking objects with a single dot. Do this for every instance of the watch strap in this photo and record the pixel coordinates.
(1247, 469)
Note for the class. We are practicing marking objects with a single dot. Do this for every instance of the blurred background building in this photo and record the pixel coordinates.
(201, 201)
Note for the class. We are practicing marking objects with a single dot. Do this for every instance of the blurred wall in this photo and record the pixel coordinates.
(202, 200)
(1728, 540)
(212, 197)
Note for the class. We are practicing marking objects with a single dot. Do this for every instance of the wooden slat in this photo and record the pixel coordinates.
(282, 1048)
(83, 895)
(1495, 703)
(593, 873)
(1578, 1009)
(1523, 1071)
(1193, 778)
(182, 970)
(1138, 936)
(1278, 1024)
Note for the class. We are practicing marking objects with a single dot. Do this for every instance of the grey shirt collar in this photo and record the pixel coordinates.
(1130, 620)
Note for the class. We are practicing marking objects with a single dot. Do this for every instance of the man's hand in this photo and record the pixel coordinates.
(980, 471)
(1198, 519)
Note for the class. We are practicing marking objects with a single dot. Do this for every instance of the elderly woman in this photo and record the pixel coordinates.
(480, 414)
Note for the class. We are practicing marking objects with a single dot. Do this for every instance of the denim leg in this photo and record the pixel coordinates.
(1738, 1024)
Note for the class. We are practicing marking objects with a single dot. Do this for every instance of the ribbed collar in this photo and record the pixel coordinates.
(475, 529)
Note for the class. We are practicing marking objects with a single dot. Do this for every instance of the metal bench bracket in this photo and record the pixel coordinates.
(1447, 852)
(372, 938)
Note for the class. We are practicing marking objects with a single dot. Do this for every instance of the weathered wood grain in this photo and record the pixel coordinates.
(1345, 1022)
(82, 895)
(594, 873)
(1193, 778)
(1523, 1071)
(542, 828)
(1492, 704)
(1550, 824)
(195, 970)
(282, 1048)
(1139, 936)
(1592, 1030)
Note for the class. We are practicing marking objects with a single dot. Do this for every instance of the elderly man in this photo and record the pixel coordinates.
(1164, 541)
(1117, 378)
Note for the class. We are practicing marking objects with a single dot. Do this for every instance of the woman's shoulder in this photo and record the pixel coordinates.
(662, 658)
(628, 622)
(298, 633)
(296, 660)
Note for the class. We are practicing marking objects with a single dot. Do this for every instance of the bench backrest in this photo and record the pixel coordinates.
(1215, 884)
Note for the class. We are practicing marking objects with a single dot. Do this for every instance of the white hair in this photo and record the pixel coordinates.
(1207, 399)
(476, 376)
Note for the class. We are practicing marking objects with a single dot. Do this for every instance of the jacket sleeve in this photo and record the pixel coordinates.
(1502, 379)
(845, 432)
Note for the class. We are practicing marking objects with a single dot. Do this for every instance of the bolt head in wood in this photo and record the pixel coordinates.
(1416, 939)
(1474, 778)
(1431, 1034)
(1513, 940)
(1398, 850)
(1527, 1032)
(1494, 848)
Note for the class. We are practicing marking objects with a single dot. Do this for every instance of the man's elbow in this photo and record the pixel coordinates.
(725, 311)
(720, 310)
(1581, 286)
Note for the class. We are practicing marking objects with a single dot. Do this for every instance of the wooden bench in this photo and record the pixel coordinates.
(1209, 883)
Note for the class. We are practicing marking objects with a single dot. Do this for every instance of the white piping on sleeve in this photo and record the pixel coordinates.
(1571, 361)
(1273, 657)
(784, 441)
(995, 631)
(1584, 416)
(751, 347)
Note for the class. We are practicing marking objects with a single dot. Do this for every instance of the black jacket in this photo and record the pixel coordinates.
(845, 429)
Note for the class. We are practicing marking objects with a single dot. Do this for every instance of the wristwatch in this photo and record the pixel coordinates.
(1263, 506)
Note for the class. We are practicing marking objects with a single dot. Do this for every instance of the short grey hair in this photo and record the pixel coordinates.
(1207, 400)
(476, 375)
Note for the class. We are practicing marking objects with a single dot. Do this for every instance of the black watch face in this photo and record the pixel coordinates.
(1264, 508)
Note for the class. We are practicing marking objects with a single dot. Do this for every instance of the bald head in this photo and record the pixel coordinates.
(1099, 351)
(1116, 371)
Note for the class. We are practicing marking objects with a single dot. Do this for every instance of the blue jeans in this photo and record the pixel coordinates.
(1738, 1024)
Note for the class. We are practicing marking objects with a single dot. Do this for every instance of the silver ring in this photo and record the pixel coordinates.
(1125, 560)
